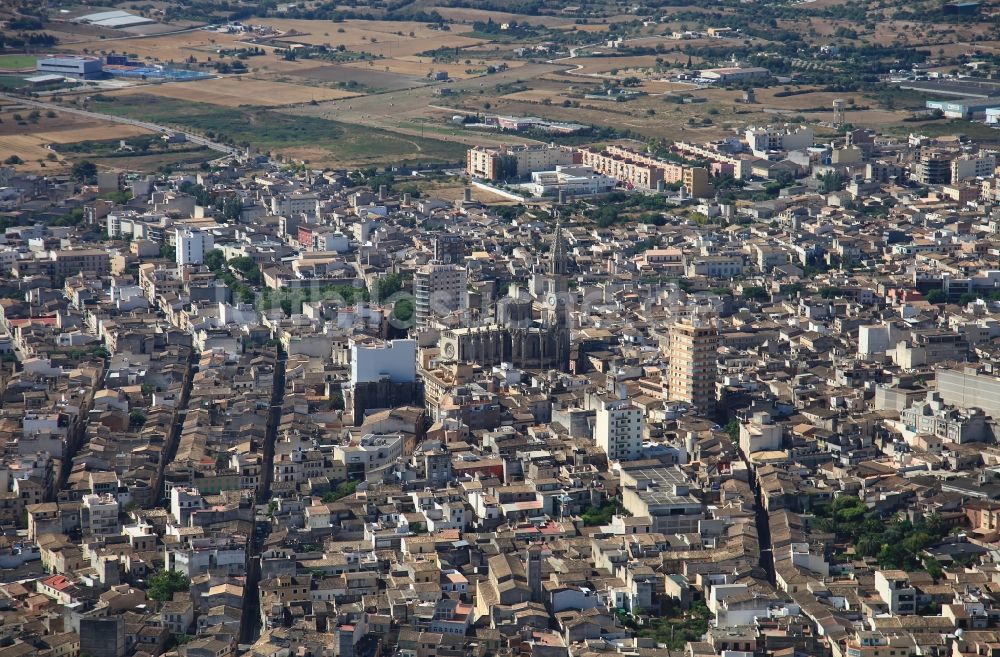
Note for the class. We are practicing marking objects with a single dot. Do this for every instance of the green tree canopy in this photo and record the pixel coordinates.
(343, 489)
(937, 296)
(84, 170)
(164, 583)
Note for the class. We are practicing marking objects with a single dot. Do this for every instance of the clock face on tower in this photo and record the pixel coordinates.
(449, 350)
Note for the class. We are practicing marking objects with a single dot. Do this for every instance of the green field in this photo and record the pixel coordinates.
(157, 161)
(971, 129)
(11, 82)
(18, 62)
(375, 146)
(242, 126)
(270, 130)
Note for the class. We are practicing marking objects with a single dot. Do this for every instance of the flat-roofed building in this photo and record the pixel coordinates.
(76, 66)
(663, 494)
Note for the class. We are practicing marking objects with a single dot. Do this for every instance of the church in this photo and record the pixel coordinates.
(515, 335)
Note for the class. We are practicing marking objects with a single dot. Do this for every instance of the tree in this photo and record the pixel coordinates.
(505, 168)
(343, 489)
(933, 568)
(388, 286)
(337, 400)
(403, 310)
(937, 296)
(232, 208)
(13, 159)
(136, 418)
(607, 216)
(832, 181)
(84, 170)
(598, 517)
(215, 260)
(248, 269)
(164, 583)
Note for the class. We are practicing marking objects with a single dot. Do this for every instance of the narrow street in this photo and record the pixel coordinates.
(250, 620)
(76, 438)
(274, 418)
(174, 438)
(761, 521)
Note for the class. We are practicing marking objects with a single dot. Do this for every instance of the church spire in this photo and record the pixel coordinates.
(558, 263)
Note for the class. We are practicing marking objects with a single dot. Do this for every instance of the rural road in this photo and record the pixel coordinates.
(155, 127)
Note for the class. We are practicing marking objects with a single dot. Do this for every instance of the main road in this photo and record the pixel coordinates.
(124, 120)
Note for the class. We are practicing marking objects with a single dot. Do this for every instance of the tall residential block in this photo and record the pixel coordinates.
(192, 245)
(618, 429)
(693, 370)
(439, 290)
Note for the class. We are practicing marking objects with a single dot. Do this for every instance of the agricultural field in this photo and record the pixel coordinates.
(359, 146)
(387, 39)
(418, 111)
(372, 91)
(317, 140)
(168, 48)
(365, 77)
(567, 21)
(421, 67)
(176, 157)
(32, 150)
(28, 136)
(237, 91)
(59, 126)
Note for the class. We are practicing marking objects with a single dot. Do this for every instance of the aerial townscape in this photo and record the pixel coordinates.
(466, 328)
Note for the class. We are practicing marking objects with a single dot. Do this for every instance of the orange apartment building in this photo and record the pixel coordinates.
(641, 171)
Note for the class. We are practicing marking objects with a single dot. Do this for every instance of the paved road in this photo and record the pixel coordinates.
(155, 127)
(762, 520)
(176, 428)
(250, 620)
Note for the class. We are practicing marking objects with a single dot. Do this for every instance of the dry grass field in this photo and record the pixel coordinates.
(372, 77)
(236, 91)
(94, 133)
(31, 149)
(888, 31)
(70, 125)
(386, 39)
(167, 48)
(623, 66)
(469, 16)
(28, 141)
